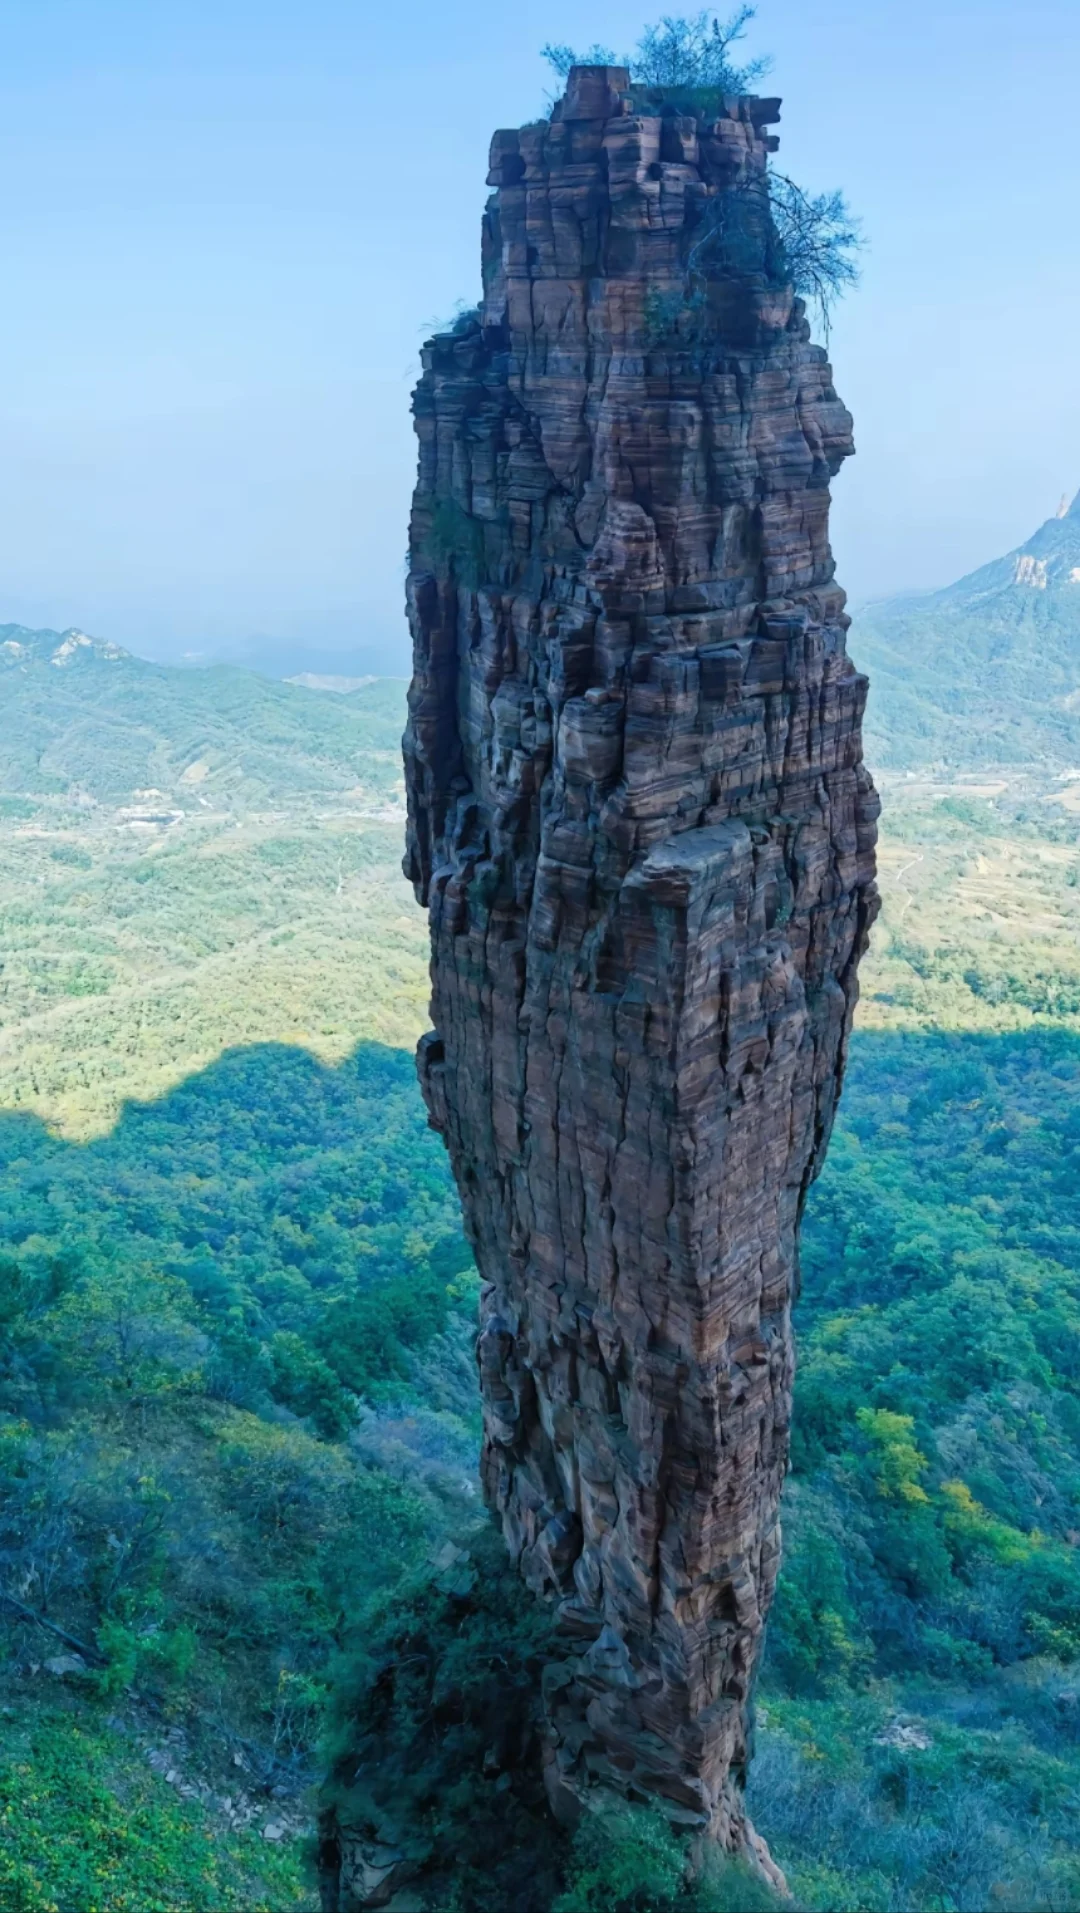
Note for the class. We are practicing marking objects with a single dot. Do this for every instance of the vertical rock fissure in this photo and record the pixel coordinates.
(641, 824)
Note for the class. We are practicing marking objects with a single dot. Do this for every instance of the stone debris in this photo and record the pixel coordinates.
(373, 1874)
(640, 820)
(63, 1666)
(171, 1757)
(906, 1735)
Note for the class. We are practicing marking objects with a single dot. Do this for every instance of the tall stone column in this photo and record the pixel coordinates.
(640, 820)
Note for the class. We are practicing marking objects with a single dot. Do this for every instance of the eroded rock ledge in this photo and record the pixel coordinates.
(641, 823)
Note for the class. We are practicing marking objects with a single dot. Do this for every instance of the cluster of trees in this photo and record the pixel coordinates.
(236, 1410)
(936, 1509)
(237, 1399)
(922, 1741)
(810, 241)
(680, 54)
(302, 1215)
(982, 913)
(212, 1327)
(918, 1738)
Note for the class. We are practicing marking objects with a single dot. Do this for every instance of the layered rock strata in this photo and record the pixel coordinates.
(639, 818)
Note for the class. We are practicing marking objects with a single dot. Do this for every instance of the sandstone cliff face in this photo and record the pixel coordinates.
(641, 823)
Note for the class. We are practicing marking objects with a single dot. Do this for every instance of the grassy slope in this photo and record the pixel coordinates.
(86, 1824)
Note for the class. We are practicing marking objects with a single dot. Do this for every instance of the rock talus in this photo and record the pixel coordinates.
(641, 823)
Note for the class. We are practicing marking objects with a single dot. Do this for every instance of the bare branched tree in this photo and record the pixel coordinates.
(561, 58)
(809, 241)
(695, 51)
(682, 51)
(819, 242)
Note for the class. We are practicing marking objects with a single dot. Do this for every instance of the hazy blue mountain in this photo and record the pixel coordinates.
(81, 716)
(986, 671)
(295, 657)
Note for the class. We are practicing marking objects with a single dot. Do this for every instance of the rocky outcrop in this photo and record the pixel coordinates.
(641, 823)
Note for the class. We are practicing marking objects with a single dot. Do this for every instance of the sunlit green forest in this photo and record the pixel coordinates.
(193, 860)
(236, 1389)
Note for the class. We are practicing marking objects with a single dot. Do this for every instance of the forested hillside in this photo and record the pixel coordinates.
(236, 1389)
(191, 859)
(985, 672)
(87, 721)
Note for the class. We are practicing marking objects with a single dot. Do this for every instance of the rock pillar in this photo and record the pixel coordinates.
(641, 823)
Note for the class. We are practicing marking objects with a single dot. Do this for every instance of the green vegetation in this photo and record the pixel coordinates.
(933, 1515)
(193, 1307)
(270, 1195)
(436, 1749)
(986, 672)
(980, 928)
(809, 241)
(236, 1405)
(687, 59)
(84, 1825)
(880, 1802)
(436, 1736)
(191, 860)
(86, 721)
(237, 1402)
(629, 1860)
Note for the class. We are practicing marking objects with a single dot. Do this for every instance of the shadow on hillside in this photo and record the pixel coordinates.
(271, 1165)
(259, 1180)
(291, 1092)
(263, 1102)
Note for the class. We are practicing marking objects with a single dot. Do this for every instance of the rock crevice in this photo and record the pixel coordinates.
(640, 821)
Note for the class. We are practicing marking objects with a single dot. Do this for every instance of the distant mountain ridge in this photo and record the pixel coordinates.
(21, 648)
(293, 657)
(986, 671)
(80, 716)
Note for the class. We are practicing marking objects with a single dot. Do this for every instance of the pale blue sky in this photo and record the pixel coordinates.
(224, 226)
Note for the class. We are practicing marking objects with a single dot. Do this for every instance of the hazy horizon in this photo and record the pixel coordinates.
(234, 226)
